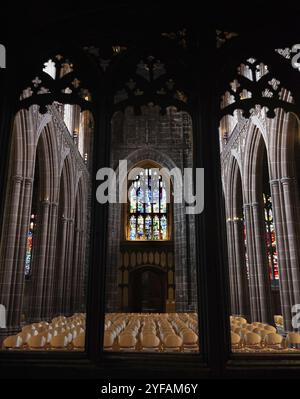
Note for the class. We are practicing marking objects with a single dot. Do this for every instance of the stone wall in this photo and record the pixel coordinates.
(167, 141)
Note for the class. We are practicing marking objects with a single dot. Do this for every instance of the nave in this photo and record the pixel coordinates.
(151, 332)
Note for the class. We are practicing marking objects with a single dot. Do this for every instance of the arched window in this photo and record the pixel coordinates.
(271, 239)
(148, 218)
(31, 232)
(29, 240)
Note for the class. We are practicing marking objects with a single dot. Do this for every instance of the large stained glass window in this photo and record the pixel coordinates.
(148, 207)
(28, 255)
(271, 240)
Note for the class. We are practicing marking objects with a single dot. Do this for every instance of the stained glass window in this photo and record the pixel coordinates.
(133, 201)
(140, 195)
(132, 227)
(148, 207)
(148, 227)
(155, 228)
(140, 229)
(163, 200)
(163, 227)
(28, 255)
(155, 200)
(271, 240)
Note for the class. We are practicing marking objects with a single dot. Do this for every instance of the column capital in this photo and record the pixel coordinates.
(17, 179)
(28, 181)
(287, 180)
(274, 182)
(251, 205)
(45, 202)
(67, 220)
(238, 220)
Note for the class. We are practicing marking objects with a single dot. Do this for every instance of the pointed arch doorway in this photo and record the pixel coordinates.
(148, 290)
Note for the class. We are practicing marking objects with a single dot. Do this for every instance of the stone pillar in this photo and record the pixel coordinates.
(243, 301)
(181, 279)
(39, 262)
(287, 238)
(259, 284)
(60, 266)
(13, 251)
(68, 267)
(239, 290)
(234, 308)
(48, 282)
(74, 300)
(80, 297)
(18, 282)
(77, 294)
(113, 297)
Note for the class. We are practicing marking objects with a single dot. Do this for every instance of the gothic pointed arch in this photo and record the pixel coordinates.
(237, 247)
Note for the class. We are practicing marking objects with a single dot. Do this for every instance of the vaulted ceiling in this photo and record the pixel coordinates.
(110, 17)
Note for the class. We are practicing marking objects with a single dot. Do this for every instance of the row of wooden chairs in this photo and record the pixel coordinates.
(60, 333)
(151, 332)
(257, 335)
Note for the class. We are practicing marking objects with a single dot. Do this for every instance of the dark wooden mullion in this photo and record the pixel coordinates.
(97, 272)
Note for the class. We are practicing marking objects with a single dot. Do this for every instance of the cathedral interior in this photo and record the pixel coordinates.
(90, 287)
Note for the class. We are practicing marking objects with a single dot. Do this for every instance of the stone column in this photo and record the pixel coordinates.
(232, 269)
(243, 301)
(68, 269)
(60, 266)
(18, 281)
(78, 288)
(181, 278)
(75, 273)
(13, 251)
(48, 282)
(259, 284)
(39, 262)
(289, 196)
(239, 290)
(287, 238)
(113, 297)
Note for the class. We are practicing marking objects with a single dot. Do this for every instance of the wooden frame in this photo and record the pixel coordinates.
(215, 359)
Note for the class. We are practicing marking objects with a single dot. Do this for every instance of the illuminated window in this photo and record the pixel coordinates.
(271, 239)
(28, 256)
(148, 208)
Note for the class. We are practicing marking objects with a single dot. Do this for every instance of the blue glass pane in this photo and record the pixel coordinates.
(148, 228)
(156, 228)
(140, 200)
(163, 228)
(163, 201)
(140, 228)
(133, 200)
(132, 228)
(155, 201)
